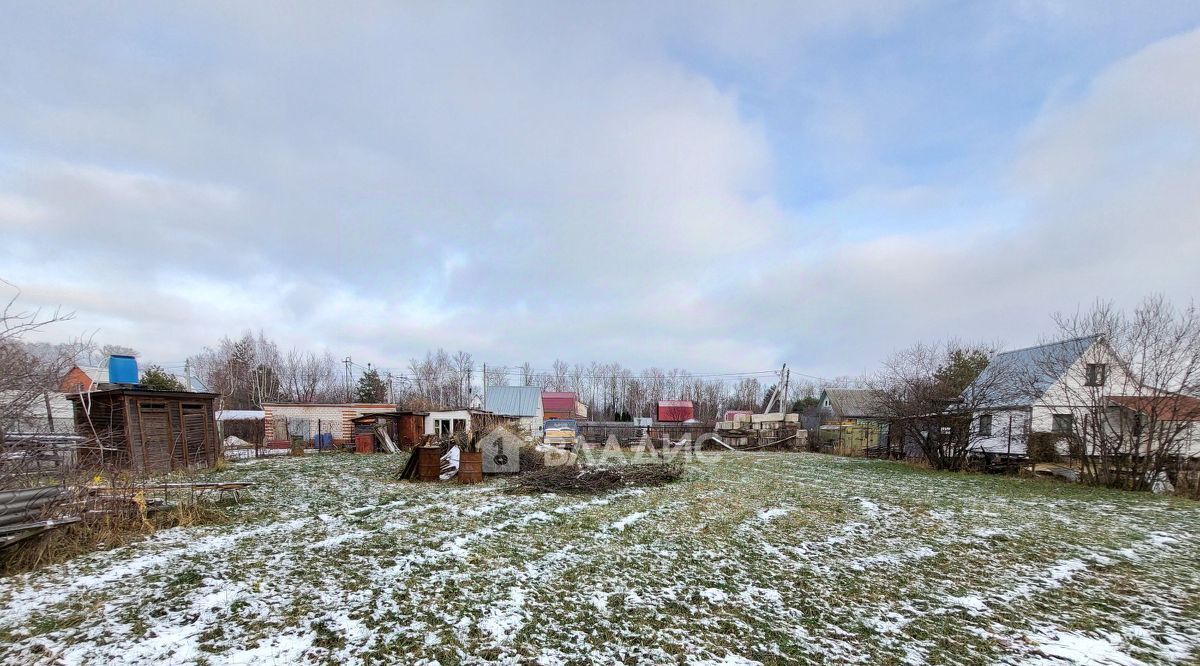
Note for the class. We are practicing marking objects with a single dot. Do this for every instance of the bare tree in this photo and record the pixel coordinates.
(246, 371)
(464, 373)
(1125, 402)
(929, 394)
(26, 378)
(528, 377)
(496, 376)
(559, 381)
(747, 394)
(310, 377)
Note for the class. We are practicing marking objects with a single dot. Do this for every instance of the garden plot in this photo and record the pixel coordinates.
(771, 558)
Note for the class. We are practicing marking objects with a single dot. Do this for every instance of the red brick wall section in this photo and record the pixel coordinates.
(75, 381)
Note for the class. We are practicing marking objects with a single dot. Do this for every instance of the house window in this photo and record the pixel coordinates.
(1063, 423)
(985, 425)
(1096, 374)
(446, 427)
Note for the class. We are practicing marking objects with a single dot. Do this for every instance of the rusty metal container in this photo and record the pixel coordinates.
(470, 467)
(429, 463)
(364, 443)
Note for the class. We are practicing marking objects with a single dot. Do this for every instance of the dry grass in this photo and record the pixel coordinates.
(105, 532)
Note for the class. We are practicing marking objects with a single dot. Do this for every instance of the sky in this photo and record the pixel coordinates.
(717, 186)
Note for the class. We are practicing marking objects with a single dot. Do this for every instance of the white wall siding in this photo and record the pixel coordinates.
(460, 414)
(1009, 432)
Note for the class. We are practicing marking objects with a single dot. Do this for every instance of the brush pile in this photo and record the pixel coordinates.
(572, 479)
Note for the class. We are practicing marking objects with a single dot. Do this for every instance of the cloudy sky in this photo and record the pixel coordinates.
(718, 186)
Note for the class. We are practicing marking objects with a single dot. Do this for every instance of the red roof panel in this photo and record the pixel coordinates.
(559, 401)
(675, 411)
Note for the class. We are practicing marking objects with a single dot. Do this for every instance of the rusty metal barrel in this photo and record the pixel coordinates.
(429, 463)
(470, 467)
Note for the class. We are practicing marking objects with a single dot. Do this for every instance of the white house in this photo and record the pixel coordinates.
(1049, 388)
(521, 402)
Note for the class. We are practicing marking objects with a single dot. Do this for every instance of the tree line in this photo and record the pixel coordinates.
(251, 369)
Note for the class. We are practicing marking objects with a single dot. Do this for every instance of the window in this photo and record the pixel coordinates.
(1063, 423)
(446, 427)
(985, 425)
(1096, 374)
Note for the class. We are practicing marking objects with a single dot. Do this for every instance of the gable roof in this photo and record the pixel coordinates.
(852, 403)
(1019, 376)
(513, 400)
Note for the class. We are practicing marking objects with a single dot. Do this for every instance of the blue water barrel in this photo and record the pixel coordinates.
(122, 370)
(323, 441)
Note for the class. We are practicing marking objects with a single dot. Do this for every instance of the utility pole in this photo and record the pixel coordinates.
(485, 385)
(778, 393)
(787, 382)
(391, 388)
(347, 361)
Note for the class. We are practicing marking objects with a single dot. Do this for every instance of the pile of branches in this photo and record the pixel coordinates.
(532, 460)
(583, 480)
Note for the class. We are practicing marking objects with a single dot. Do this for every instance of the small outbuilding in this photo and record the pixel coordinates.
(144, 431)
(524, 403)
(563, 405)
(406, 428)
(676, 411)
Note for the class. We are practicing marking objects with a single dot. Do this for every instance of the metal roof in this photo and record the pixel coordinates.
(514, 400)
(853, 403)
(240, 415)
(1020, 376)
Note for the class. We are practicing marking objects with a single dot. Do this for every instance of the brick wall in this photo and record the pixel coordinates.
(304, 419)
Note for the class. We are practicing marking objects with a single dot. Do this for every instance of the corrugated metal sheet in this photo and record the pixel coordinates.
(853, 403)
(513, 400)
(1023, 375)
(563, 401)
(675, 411)
(240, 415)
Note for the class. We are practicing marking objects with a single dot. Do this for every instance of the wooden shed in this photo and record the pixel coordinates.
(405, 428)
(146, 432)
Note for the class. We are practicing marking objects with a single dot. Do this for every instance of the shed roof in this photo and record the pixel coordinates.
(181, 395)
(853, 403)
(514, 400)
(240, 415)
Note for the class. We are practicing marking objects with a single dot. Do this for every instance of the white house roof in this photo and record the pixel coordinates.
(514, 400)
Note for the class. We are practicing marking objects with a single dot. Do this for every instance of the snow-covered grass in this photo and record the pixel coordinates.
(768, 558)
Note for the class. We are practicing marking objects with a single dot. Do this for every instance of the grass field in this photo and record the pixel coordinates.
(772, 558)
